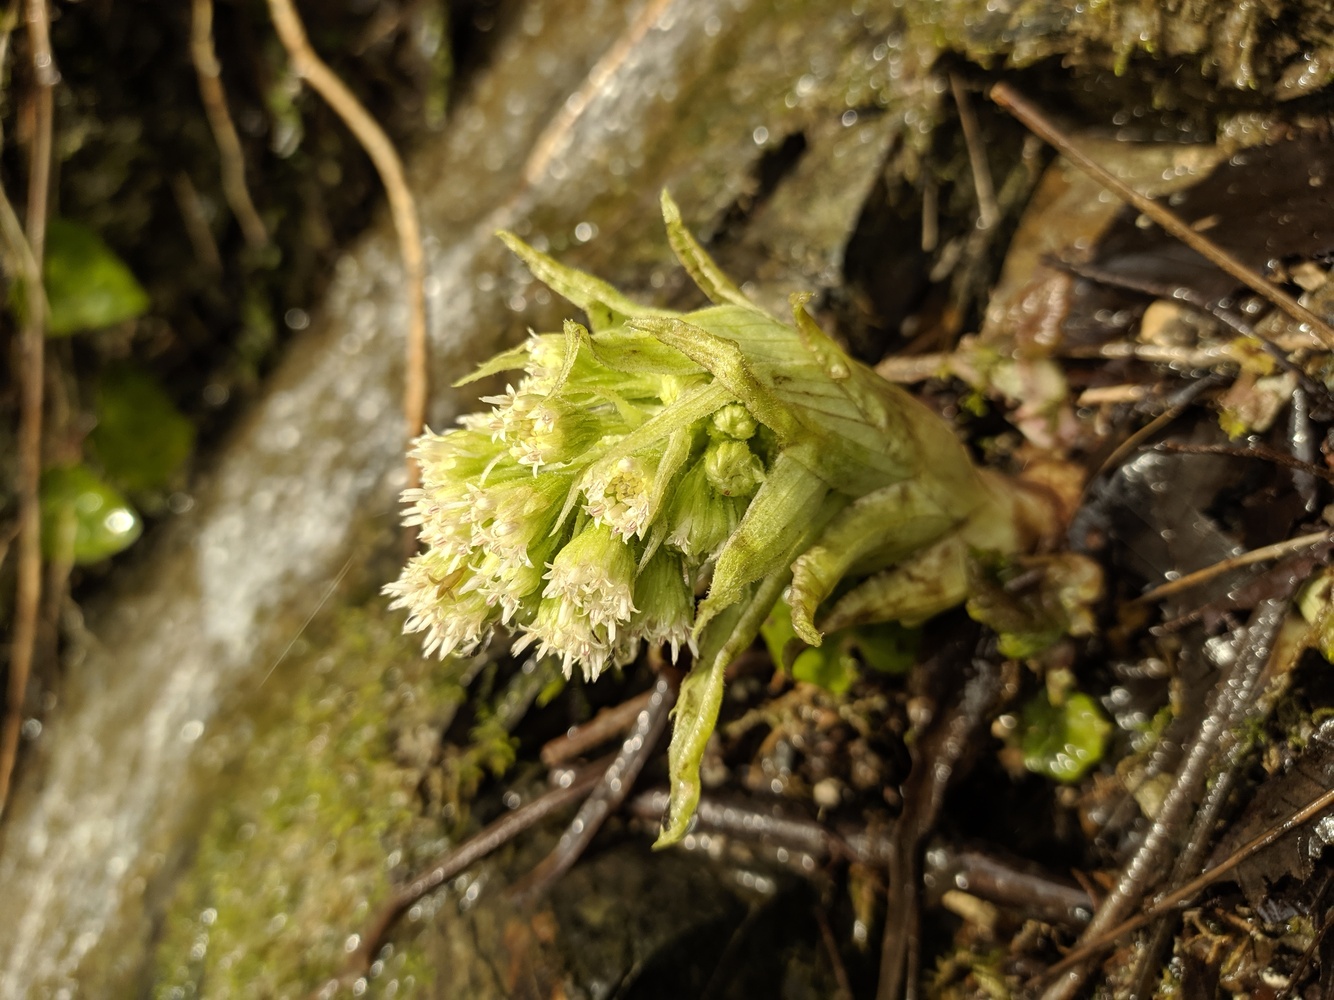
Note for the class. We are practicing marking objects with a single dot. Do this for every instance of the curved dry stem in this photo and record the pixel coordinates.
(402, 205)
(209, 71)
(28, 591)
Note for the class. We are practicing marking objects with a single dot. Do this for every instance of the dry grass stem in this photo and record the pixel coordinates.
(196, 224)
(234, 187)
(1186, 892)
(402, 205)
(1263, 554)
(28, 588)
(988, 211)
(1012, 101)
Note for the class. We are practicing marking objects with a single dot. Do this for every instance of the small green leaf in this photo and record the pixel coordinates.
(141, 439)
(888, 647)
(87, 285)
(1063, 741)
(83, 518)
(832, 670)
(604, 305)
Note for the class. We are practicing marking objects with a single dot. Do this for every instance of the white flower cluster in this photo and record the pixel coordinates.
(543, 515)
(661, 452)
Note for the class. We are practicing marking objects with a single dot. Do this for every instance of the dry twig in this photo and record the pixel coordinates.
(402, 205)
(209, 71)
(1227, 706)
(610, 792)
(988, 211)
(596, 731)
(459, 859)
(1012, 101)
(28, 594)
(1263, 554)
(196, 224)
(1088, 949)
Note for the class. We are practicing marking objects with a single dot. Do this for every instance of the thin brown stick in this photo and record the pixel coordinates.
(1211, 356)
(209, 71)
(1262, 554)
(1027, 112)
(1257, 452)
(1110, 395)
(596, 731)
(28, 591)
(1176, 405)
(610, 792)
(464, 856)
(1228, 704)
(988, 212)
(402, 205)
(835, 959)
(909, 368)
(1206, 878)
(196, 225)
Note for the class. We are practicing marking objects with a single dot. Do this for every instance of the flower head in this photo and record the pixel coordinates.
(442, 603)
(654, 455)
(621, 496)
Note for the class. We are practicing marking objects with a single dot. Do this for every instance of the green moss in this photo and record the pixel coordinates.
(314, 823)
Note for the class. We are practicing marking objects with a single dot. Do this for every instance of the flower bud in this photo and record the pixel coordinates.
(733, 469)
(700, 519)
(734, 421)
(595, 573)
(665, 603)
(561, 629)
(442, 602)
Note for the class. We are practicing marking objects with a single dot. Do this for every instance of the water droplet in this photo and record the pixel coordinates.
(119, 521)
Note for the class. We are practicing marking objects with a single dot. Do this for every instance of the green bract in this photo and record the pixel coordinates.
(655, 455)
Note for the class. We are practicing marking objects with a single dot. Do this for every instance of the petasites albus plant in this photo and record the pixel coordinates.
(652, 456)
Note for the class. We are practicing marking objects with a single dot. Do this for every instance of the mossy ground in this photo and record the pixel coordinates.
(311, 825)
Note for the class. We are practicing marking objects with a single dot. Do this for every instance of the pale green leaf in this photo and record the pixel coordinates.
(605, 306)
(1063, 741)
(701, 267)
(701, 696)
(790, 501)
(892, 522)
